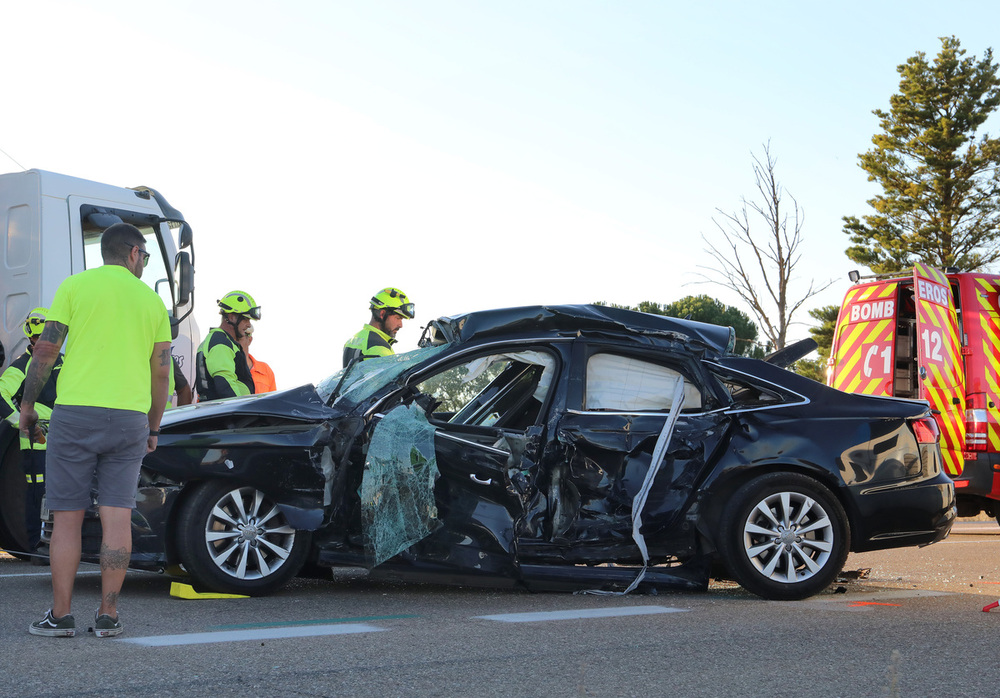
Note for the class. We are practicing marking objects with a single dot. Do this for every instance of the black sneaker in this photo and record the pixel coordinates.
(50, 626)
(106, 626)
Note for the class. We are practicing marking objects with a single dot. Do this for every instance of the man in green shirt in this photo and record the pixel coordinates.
(112, 390)
(222, 364)
(389, 307)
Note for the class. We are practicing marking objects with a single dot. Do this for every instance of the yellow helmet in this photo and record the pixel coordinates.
(241, 303)
(393, 299)
(35, 322)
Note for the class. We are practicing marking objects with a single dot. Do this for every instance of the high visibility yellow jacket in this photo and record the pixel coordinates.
(369, 343)
(12, 389)
(222, 368)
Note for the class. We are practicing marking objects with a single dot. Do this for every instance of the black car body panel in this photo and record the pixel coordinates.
(541, 446)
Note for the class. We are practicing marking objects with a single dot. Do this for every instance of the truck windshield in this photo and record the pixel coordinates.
(156, 274)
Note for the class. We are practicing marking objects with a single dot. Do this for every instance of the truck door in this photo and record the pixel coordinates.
(941, 375)
(863, 359)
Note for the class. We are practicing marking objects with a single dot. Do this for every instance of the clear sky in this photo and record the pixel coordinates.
(474, 154)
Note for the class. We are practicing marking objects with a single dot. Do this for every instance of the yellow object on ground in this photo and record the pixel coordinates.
(186, 591)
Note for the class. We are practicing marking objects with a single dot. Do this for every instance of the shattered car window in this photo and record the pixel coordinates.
(365, 378)
(397, 489)
(625, 384)
(498, 390)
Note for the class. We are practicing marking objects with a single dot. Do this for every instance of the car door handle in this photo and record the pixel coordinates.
(487, 481)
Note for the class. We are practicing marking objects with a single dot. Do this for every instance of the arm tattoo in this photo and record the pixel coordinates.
(54, 332)
(165, 357)
(114, 559)
(46, 353)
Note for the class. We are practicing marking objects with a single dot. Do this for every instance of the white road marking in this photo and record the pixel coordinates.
(542, 616)
(259, 634)
(43, 574)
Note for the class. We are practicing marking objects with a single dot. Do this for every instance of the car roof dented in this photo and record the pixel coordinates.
(571, 319)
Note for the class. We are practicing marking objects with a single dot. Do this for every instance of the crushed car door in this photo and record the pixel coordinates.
(941, 373)
(604, 451)
(485, 413)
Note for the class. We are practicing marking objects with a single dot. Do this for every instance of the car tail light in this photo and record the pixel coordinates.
(926, 430)
(976, 423)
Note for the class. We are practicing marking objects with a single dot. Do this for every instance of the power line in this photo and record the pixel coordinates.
(12, 159)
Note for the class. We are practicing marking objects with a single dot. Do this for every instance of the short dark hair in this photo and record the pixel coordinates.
(117, 240)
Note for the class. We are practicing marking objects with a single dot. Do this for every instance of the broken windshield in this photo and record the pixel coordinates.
(365, 378)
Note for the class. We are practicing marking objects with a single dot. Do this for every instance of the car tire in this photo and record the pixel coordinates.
(234, 539)
(784, 536)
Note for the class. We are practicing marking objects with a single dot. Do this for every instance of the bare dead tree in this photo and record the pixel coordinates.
(759, 263)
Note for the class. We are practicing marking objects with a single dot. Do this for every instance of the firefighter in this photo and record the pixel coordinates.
(389, 307)
(32, 449)
(222, 364)
(263, 375)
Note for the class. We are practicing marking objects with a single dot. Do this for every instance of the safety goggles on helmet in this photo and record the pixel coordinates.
(405, 310)
(35, 322)
(395, 300)
(241, 303)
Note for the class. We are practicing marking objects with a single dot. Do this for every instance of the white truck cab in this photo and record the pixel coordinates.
(50, 228)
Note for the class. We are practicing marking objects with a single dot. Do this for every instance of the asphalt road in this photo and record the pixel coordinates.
(900, 623)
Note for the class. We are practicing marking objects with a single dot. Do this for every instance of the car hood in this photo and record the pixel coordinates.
(302, 402)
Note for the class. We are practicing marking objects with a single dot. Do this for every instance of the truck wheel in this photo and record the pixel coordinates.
(236, 540)
(784, 536)
(13, 535)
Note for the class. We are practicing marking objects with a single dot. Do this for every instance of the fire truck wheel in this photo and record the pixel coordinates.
(784, 536)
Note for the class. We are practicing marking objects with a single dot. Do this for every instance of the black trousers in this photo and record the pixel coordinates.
(33, 463)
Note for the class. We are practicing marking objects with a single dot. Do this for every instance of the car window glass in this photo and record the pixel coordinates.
(747, 394)
(501, 390)
(626, 384)
(365, 378)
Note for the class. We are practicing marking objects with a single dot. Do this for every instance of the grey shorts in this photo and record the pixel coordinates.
(94, 443)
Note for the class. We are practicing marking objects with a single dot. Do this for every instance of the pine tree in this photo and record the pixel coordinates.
(941, 186)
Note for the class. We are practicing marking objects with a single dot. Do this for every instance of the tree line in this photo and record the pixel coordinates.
(939, 204)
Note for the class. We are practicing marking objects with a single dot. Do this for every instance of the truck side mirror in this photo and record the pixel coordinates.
(185, 235)
(184, 275)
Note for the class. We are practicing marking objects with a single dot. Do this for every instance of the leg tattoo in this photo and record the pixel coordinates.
(114, 559)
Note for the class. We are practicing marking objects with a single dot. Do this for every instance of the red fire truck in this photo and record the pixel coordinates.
(933, 336)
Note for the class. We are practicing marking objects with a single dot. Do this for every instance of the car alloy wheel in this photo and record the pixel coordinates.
(788, 537)
(784, 536)
(247, 536)
(236, 539)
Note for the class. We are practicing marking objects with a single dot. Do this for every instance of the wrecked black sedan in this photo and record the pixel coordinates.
(556, 448)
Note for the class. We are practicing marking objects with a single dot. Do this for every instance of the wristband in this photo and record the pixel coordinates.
(153, 433)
